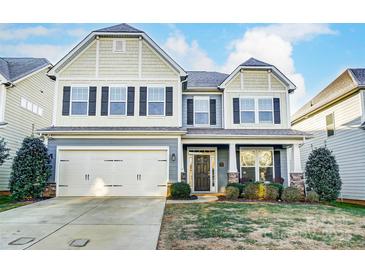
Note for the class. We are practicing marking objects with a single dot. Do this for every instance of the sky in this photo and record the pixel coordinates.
(310, 55)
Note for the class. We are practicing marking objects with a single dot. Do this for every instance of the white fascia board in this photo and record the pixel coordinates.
(257, 137)
(114, 132)
(31, 74)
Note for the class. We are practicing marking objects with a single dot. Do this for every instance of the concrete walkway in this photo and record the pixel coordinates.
(108, 223)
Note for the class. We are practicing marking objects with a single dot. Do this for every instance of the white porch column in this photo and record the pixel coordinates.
(232, 167)
(295, 157)
(180, 163)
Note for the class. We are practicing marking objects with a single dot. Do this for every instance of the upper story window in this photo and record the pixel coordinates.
(247, 110)
(156, 101)
(79, 100)
(201, 111)
(119, 46)
(117, 100)
(330, 124)
(265, 108)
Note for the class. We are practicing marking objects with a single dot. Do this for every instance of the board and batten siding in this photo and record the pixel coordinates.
(170, 142)
(347, 143)
(38, 89)
(218, 99)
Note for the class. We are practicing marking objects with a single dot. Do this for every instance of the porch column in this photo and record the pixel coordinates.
(296, 167)
(181, 161)
(296, 172)
(233, 175)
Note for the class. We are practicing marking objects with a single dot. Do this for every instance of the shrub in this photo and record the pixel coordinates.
(4, 151)
(255, 191)
(271, 193)
(291, 194)
(279, 187)
(180, 191)
(237, 185)
(322, 174)
(232, 193)
(30, 170)
(312, 197)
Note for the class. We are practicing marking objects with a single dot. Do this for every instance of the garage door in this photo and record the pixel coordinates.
(112, 173)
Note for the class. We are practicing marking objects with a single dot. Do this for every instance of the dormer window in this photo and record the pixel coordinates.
(119, 46)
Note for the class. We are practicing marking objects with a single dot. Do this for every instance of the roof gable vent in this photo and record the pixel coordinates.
(119, 46)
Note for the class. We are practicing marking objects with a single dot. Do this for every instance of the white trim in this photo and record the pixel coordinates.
(109, 100)
(288, 115)
(257, 164)
(55, 100)
(257, 111)
(116, 79)
(288, 160)
(31, 74)
(97, 57)
(110, 148)
(2, 102)
(164, 101)
(252, 140)
(269, 80)
(362, 98)
(140, 58)
(180, 159)
(201, 98)
(241, 80)
(124, 45)
(83, 101)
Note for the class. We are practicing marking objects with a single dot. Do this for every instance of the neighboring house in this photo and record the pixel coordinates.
(336, 119)
(26, 96)
(128, 119)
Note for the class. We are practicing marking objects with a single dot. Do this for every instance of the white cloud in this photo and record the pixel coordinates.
(7, 33)
(189, 55)
(78, 32)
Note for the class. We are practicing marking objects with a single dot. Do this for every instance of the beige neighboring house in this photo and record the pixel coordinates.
(336, 118)
(26, 96)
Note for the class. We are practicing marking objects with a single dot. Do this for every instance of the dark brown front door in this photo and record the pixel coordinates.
(201, 173)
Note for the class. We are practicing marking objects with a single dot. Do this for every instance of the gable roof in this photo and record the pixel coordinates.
(13, 69)
(116, 30)
(252, 62)
(359, 75)
(205, 79)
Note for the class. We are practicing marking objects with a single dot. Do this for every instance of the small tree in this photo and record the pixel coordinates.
(4, 151)
(322, 175)
(30, 170)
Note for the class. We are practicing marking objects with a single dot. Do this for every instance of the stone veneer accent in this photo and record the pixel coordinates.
(297, 180)
(233, 177)
(50, 190)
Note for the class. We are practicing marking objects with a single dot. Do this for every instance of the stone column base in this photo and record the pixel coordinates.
(50, 190)
(183, 177)
(233, 177)
(297, 180)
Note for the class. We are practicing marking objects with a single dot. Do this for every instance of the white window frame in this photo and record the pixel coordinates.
(87, 101)
(254, 110)
(334, 125)
(115, 48)
(2, 102)
(256, 99)
(202, 98)
(164, 101)
(113, 101)
(257, 162)
(272, 110)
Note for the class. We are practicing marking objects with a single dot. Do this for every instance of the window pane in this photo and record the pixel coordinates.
(265, 116)
(247, 117)
(329, 119)
(248, 158)
(118, 94)
(266, 174)
(201, 105)
(79, 93)
(201, 118)
(156, 94)
(156, 108)
(247, 104)
(117, 108)
(79, 108)
(248, 174)
(265, 157)
(265, 104)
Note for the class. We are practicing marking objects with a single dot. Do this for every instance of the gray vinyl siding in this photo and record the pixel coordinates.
(171, 143)
(218, 99)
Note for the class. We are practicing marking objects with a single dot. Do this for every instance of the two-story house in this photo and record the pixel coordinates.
(128, 119)
(26, 96)
(335, 118)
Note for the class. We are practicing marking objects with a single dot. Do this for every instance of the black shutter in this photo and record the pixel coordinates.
(236, 110)
(104, 101)
(169, 101)
(66, 101)
(92, 101)
(213, 111)
(277, 111)
(277, 164)
(142, 101)
(190, 111)
(130, 101)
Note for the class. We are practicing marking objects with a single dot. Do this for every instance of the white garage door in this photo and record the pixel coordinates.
(112, 173)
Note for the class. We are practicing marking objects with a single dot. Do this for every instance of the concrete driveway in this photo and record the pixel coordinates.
(108, 223)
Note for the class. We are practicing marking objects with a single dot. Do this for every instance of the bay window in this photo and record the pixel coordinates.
(201, 110)
(257, 165)
(79, 100)
(117, 100)
(156, 101)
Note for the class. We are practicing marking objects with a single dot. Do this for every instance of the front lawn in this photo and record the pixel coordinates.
(237, 225)
(7, 203)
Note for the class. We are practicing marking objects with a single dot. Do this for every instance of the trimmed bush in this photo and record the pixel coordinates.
(237, 185)
(312, 197)
(180, 191)
(322, 174)
(271, 193)
(279, 187)
(292, 194)
(232, 193)
(30, 170)
(255, 191)
(4, 151)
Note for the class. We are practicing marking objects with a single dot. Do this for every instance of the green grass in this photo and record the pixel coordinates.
(6, 203)
(237, 225)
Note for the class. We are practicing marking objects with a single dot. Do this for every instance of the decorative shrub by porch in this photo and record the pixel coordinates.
(322, 174)
(255, 191)
(271, 193)
(180, 191)
(292, 194)
(312, 197)
(4, 151)
(279, 187)
(237, 185)
(232, 193)
(30, 170)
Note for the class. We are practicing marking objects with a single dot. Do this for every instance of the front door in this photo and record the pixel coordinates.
(202, 173)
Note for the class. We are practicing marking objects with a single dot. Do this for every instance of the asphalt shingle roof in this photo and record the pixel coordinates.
(15, 68)
(252, 62)
(359, 74)
(205, 78)
(120, 28)
(246, 132)
(76, 129)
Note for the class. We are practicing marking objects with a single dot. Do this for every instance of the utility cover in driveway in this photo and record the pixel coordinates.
(79, 242)
(22, 241)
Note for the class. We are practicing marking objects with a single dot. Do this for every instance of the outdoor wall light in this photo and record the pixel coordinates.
(173, 157)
